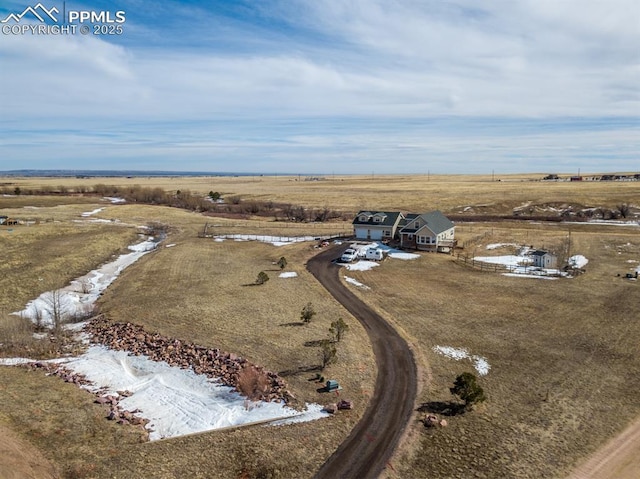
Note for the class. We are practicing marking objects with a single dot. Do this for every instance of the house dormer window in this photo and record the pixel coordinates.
(377, 219)
(416, 225)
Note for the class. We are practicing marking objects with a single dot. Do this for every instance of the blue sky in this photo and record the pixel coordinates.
(329, 86)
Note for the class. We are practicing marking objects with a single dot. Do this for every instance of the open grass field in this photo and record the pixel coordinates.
(563, 354)
(196, 291)
(450, 193)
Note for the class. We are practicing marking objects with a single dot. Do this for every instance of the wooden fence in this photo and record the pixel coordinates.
(469, 262)
(279, 238)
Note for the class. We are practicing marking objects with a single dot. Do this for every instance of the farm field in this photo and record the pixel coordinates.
(562, 353)
(498, 194)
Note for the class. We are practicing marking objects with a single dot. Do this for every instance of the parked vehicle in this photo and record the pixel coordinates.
(375, 254)
(349, 255)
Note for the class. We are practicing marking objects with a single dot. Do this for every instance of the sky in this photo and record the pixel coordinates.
(326, 87)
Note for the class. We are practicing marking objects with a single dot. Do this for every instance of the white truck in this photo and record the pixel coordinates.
(349, 255)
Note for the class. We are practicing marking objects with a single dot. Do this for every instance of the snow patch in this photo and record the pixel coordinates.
(114, 200)
(355, 282)
(86, 214)
(480, 364)
(578, 261)
(523, 275)
(388, 251)
(361, 265)
(288, 274)
(274, 240)
(500, 245)
(79, 297)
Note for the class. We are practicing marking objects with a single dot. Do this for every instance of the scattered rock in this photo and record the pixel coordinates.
(330, 408)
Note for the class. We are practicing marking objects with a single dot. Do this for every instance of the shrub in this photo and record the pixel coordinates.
(467, 389)
(262, 278)
(338, 328)
(307, 313)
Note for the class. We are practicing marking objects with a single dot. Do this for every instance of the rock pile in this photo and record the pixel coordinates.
(216, 364)
(115, 412)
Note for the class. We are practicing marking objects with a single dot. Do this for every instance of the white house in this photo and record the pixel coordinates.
(428, 231)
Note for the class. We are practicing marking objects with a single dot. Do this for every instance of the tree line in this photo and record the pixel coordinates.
(214, 202)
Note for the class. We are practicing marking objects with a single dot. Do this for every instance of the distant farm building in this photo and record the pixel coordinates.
(3, 219)
(544, 259)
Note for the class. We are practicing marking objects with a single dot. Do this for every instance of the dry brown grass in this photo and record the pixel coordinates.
(195, 291)
(449, 193)
(575, 340)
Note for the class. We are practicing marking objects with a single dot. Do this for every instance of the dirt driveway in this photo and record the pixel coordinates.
(367, 450)
(20, 460)
(618, 459)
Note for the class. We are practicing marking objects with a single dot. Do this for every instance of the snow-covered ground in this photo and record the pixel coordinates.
(520, 265)
(274, 240)
(176, 401)
(480, 364)
(365, 265)
(79, 297)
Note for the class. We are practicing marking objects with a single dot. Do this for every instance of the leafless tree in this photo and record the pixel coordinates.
(328, 353)
(56, 307)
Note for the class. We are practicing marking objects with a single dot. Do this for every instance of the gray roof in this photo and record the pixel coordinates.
(434, 220)
(390, 218)
(540, 252)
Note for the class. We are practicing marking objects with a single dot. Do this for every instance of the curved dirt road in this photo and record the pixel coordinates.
(367, 450)
(618, 459)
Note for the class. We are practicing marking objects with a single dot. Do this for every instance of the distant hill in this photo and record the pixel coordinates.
(115, 173)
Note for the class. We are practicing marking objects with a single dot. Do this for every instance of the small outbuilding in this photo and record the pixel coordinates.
(544, 259)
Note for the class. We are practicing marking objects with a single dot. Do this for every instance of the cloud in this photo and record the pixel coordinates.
(304, 66)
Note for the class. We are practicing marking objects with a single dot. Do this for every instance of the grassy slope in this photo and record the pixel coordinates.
(193, 291)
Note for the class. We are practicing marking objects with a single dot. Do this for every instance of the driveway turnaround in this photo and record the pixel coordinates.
(369, 447)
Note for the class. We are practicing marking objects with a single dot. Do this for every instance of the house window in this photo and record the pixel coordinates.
(422, 239)
(416, 225)
(377, 219)
(363, 218)
(387, 233)
(410, 237)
